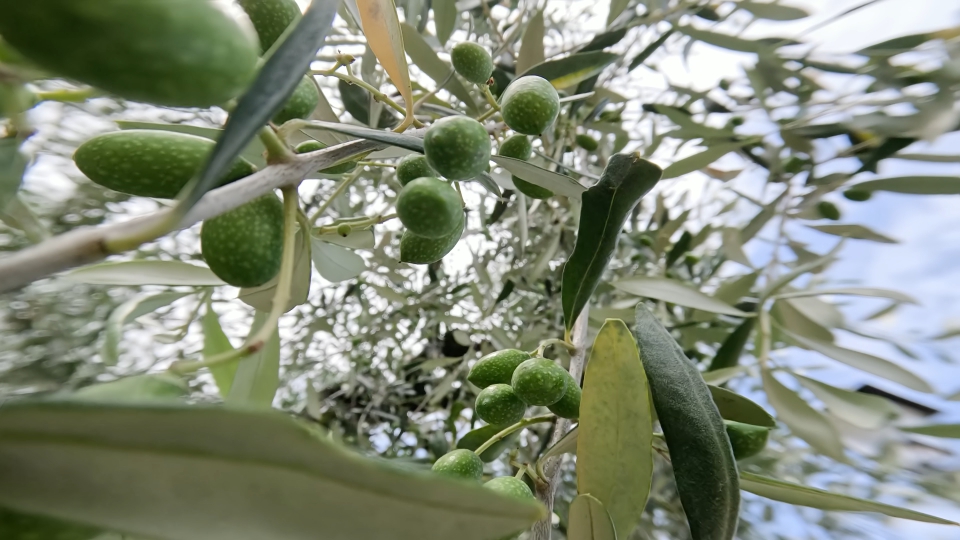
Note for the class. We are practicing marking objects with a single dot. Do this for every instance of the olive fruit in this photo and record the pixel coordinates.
(510, 486)
(587, 142)
(413, 166)
(301, 103)
(463, 464)
(530, 105)
(313, 146)
(539, 381)
(244, 246)
(496, 367)
(270, 18)
(858, 195)
(457, 147)
(519, 147)
(430, 207)
(498, 404)
(182, 54)
(828, 210)
(472, 62)
(149, 163)
(746, 440)
(569, 404)
(416, 249)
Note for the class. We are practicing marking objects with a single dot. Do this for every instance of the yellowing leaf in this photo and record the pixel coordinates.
(381, 26)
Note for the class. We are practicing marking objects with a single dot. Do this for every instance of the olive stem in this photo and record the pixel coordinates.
(553, 341)
(344, 184)
(492, 101)
(487, 114)
(376, 164)
(256, 341)
(277, 150)
(67, 95)
(359, 224)
(377, 94)
(510, 429)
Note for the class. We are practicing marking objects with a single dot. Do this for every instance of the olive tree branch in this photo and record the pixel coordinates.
(551, 467)
(510, 429)
(89, 245)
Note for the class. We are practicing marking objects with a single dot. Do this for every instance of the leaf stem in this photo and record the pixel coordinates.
(554, 341)
(277, 150)
(377, 94)
(256, 341)
(67, 95)
(510, 429)
(487, 114)
(492, 101)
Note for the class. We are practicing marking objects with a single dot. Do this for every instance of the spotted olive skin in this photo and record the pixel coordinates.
(539, 382)
(461, 464)
(530, 105)
(244, 246)
(519, 147)
(300, 104)
(415, 249)
(511, 487)
(498, 404)
(413, 166)
(457, 147)
(496, 367)
(569, 404)
(430, 207)
(181, 54)
(472, 62)
(270, 18)
(149, 163)
(313, 146)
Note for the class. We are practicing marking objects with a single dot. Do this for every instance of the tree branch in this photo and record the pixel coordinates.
(551, 467)
(88, 245)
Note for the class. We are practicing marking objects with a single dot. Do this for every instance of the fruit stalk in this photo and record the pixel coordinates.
(277, 150)
(510, 429)
(492, 101)
(551, 467)
(377, 94)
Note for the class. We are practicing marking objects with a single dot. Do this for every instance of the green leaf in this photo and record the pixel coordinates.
(803, 420)
(276, 81)
(605, 208)
(427, 60)
(183, 473)
(261, 298)
(589, 520)
(17, 526)
(570, 70)
(258, 375)
(381, 28)
(473, 439)
(135, 388)
(913, 185)
(732, 248)
(790, 493)
(555, 182)
(946, 431)
(698, 161)
(445, 16)
(604, 39)
(853, 231)
(863, 361)
(12, 166)
(787, 316)
(675, 292)
(616, 8)
(864, 410)
(531, 45)
(649, 50)
(703, 463)
(756, 224)
(386, 137)
(896, 45)
(614, 456)
(253, 152)
(690, 129)
(357, 100)
(730, 292)
(215, 342)
(720, 376)
(854, 291)
(772, 11)
(128, 311)
(134, 273)
(724, 41)
(336, 263)
(733, 406)
(566, 445)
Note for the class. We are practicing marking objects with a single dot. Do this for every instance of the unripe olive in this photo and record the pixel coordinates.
(569, 404)
(828, 210)
(539, 381)
(344, 229)
(430, 207)
(301, 103)
(416, 249)
(530, 105)
(457, 147)
(587, 142)
(859, 195)
(472, 62)
(244, 246)
(511, 487)
(461, 464)
(519, 147)
(497, 367)
(747, 440)
(271, 18)
(413, 166)
(498, 404)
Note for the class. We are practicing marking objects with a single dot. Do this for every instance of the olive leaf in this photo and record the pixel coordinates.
(946, 431)
(724, 41)
(381, 27)
(445, 15)
(772, 11)
(399, 140)
(700, 160)
(257, 376)
(605, 208)
(674, 292)
(24, 526)
(555, 182)
(733, 406)
(275, 82)
(858, 408)
(128, 311)
(215, 341)
(703, 462)
(614, 453)
(572, 69)
(854, 231)
(473, 439)
(803, 420)
(913, 185)
(589, 520)
(649, 50)
(531, 45)
(191, 472)
(728, 355)
(144, 272)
